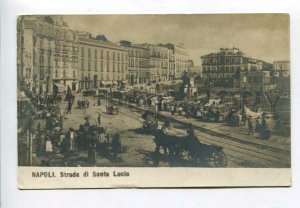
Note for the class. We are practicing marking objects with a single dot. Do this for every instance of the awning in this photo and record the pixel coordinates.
(103, 82)
(109, 82)
(124, 82)
(115, 82)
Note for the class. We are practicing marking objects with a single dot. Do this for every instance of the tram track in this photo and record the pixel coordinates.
(257, 157)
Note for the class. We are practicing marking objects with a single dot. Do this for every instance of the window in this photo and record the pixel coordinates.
(89, 65)
(122, 57)
(107, 65)
(107, 55)
(122, 68)
(232, 69)
(65, 73)
(96, 53)
(96, 66)
(49, 58)
(82, 65)
(114, 67)
(101, 69)
(114, 54)
(89, 52)
(56, 62)
(73, 62)
(82, 51)
(118, 67)
(41, 59)
(64, 62)
(74, 74)
(56, 73)
(101, 54)
(118, 56)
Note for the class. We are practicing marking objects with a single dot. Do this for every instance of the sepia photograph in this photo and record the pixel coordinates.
(127, 97)
(154, 91)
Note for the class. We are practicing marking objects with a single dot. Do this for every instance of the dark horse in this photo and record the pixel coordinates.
(186, 146)
(167, 142)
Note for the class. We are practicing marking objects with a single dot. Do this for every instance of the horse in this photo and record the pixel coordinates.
(167, 142)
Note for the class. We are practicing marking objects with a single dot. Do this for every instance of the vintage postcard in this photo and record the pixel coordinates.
(111, 101)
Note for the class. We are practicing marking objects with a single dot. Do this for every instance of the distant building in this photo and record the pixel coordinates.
(193, 70)
(257, 81)
(181, 58)
(138, 62)
(101, 63)
(281, 68)
(223, 68)
(47, 53)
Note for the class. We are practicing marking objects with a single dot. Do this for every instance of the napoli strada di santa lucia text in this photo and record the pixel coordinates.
(77, 174)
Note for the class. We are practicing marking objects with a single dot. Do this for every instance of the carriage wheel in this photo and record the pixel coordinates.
(220, 159)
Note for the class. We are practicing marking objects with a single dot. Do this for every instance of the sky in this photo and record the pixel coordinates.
(262, 36)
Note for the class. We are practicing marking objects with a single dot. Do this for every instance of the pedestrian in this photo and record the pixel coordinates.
(71, 137)
(257, 125)
(250, 126)
(92, 152)
(99, 119)
(116, 144)
(49, 147)
(69, 106)
(49, 123)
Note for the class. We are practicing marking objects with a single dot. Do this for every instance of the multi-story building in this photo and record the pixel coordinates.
(281, 68)
(257, 81)
(159, 62)
(138, 62)
(223, 68)
(47, 53)
(181, 58)
(172, 72)
(101, 63)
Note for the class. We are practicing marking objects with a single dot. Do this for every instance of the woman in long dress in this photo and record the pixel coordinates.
(49, 147)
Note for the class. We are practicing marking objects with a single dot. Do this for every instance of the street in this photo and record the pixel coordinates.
(138, 147)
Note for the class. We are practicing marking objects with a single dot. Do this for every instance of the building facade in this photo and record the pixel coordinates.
(138, 63)
(223, 68)
(158, 63)
(47, 53)
(101, 63)
(281, 68)
(257, 81)
(181, 58)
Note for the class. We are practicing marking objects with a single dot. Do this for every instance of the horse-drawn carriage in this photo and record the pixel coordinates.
(150, 124)
(189, 148)
(112, 109)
